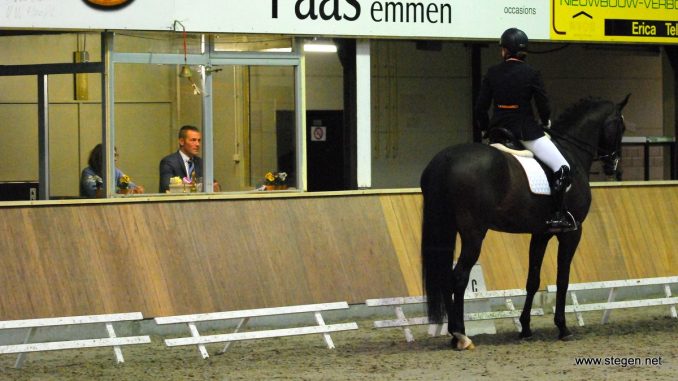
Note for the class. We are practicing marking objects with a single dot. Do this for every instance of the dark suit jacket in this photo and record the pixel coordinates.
(512, 85)
(172, 166)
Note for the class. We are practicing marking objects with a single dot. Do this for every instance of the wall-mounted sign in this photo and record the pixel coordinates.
(463, 19)
(650, 21)
(318, 134)
(403, 18)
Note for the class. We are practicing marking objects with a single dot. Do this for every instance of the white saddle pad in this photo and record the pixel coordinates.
(539, 184)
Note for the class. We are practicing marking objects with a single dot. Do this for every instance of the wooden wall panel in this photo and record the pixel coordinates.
(213, 254)
(165, 258)
(630, 232)
(403, 215)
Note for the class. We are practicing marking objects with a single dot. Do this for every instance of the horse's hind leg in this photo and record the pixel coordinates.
(568, 243)
(538, 245)
(471, 242)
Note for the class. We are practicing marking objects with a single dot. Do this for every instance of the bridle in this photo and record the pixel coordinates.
(609, 155)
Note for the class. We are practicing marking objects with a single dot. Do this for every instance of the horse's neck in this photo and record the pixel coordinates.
(577, 154)
(579, 136)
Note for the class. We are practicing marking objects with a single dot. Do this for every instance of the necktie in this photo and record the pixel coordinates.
(190, 168)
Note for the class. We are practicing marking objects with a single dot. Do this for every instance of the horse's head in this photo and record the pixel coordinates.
(592, 129)
(609, 142)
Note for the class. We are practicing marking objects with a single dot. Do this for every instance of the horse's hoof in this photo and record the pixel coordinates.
(466, 346)
(463, 342)
(525, 337)
(565, 335)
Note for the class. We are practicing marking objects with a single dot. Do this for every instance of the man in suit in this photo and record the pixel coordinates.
(185, 162)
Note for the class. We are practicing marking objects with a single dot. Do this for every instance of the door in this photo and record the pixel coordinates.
(325, 150)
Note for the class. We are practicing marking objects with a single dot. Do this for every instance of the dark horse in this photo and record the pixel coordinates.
(471, 188)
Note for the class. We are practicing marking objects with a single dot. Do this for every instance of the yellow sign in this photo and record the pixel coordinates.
(649, 21)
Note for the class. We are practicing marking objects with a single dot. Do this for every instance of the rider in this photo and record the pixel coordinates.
(512, 84)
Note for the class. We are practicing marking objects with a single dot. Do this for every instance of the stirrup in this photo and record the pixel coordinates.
(566, 223)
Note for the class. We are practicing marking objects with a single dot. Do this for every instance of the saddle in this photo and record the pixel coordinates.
(503, 136)
(539, 176)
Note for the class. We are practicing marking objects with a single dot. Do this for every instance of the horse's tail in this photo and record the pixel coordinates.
(438, 236)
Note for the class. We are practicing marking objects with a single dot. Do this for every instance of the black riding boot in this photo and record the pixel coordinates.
(562, 220)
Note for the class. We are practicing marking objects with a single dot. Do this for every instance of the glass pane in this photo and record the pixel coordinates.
(71, 101)
(152, 103)
(73, 126)
(19, 145)
(272, 123)
(254, 125)
(64, 145)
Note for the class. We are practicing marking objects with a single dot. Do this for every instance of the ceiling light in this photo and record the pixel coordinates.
(319, 47)
(278, 50)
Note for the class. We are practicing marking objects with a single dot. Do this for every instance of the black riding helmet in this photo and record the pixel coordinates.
(514, 40)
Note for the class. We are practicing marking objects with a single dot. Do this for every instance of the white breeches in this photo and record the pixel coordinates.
(544, 149)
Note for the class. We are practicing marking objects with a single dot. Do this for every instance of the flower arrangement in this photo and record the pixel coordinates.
(274, 181)
(275, 178)
(124, 182)
(125, 185)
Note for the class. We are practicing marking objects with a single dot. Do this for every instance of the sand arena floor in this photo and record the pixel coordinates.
(646, 335)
